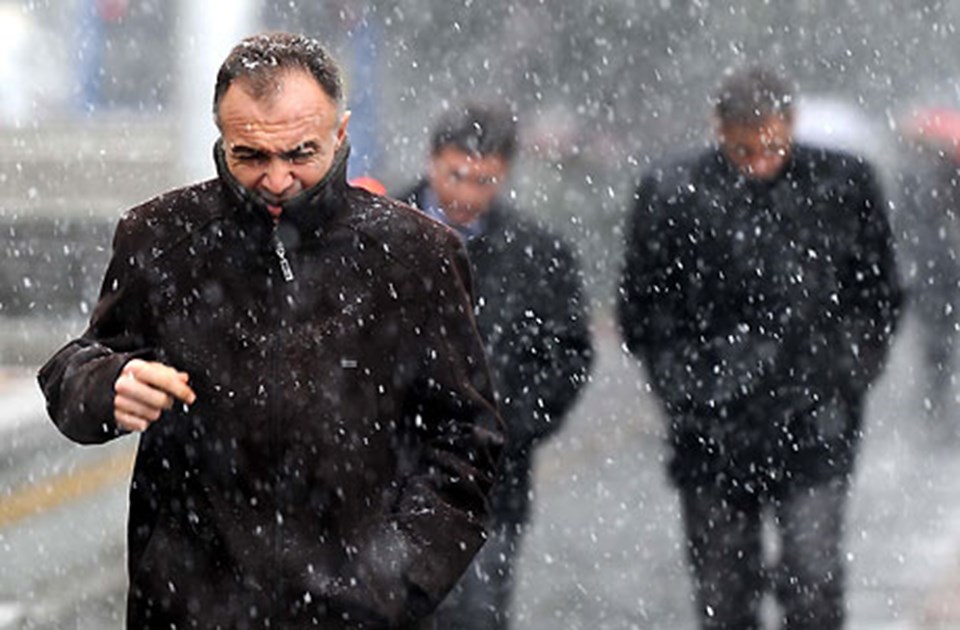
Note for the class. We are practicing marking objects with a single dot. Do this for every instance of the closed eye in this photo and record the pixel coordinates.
(250, 157)
(301, 154)
(299, 157)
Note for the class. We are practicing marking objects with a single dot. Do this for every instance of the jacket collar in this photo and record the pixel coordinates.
(495, 220)
(306, 215)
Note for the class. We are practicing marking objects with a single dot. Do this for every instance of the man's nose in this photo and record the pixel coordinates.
(278, 177)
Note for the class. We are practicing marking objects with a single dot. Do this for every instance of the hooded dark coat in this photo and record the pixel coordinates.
(762, 312)
(332, 472)
(532, 317)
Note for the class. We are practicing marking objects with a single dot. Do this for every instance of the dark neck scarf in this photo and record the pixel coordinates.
(303, 215)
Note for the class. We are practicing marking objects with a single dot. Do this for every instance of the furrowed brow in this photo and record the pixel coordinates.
(305, 147)
(241, 150)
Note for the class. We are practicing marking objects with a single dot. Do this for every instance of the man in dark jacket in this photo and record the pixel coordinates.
(929, 229)
(318, 426)
(759, 290)
(532, 317)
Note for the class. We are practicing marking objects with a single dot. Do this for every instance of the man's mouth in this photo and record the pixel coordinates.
(273, 203)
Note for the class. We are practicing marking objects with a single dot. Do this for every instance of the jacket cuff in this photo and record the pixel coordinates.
(81, 395)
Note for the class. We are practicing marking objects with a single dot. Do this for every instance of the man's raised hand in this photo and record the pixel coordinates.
(144, 390)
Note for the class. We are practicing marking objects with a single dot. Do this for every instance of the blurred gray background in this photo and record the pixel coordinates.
(105, 103)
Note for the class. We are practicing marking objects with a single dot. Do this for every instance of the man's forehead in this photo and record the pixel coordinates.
(762, 124)
(463, 160)
(279, 139)
(254, 126)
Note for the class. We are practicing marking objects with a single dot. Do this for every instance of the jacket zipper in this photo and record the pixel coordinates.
(276, 360)
(278, 523)
(281, 253)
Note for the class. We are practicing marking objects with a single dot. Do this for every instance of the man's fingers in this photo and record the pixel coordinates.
(130, 422)
(164, 378)
(134, 407)
(183, 392)
(132, 388)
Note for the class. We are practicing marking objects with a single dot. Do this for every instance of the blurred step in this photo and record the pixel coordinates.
(52, 267)
(91, 167)
(30, 341)
(63, 186)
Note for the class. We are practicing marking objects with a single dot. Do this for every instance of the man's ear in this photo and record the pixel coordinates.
(342, 129)
(718, 128)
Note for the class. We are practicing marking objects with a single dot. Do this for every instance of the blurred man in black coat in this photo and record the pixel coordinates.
(928, 226)
(759, 290)
(532, 316)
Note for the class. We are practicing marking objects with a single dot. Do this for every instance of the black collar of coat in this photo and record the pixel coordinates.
(303, 216)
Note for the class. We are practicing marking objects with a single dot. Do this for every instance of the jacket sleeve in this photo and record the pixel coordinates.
(78, 380)
(412, 560)
(870, 293)
(642, 274)
(550, 363)
(651, 304)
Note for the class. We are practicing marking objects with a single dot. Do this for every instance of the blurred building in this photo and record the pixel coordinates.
(599, 88)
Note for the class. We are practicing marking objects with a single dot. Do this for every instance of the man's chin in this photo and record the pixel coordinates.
(765, 175)
(463, 216)
(273, 203)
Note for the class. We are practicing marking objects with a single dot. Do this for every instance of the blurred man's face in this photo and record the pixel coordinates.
(284, 143)
(759, 150)
(466, 184)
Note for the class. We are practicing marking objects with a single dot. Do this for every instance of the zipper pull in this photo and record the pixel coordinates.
(281, 252)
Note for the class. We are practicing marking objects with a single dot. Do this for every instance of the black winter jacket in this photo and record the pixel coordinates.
(332, 472)
(928, 227)
(762, 312)
(532, 316)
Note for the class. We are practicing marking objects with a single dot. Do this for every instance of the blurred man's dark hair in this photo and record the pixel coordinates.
(748, 95)
(261, 59)
(478, 130)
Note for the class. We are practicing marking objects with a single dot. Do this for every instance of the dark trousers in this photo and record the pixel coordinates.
(481, 599)
(726, 553)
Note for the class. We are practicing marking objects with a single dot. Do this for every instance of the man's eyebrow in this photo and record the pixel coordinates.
(303, 147)
(239, 148)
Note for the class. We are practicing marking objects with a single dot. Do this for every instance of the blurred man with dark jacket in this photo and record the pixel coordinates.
(532, 316)
(760, 292)
(928, 225)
